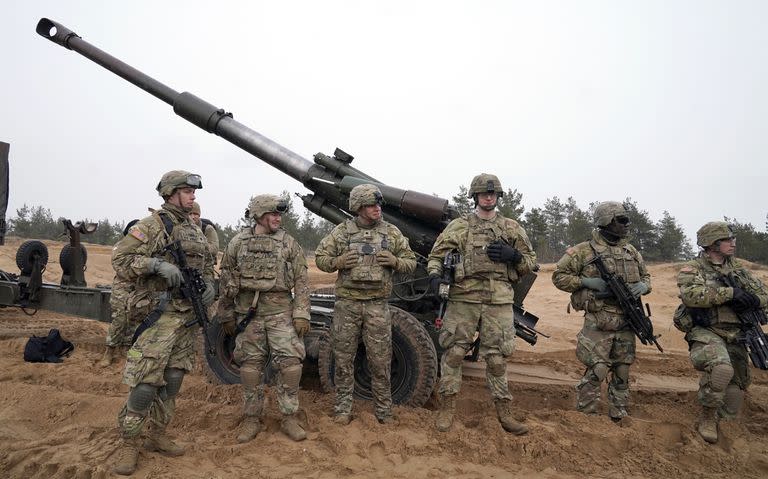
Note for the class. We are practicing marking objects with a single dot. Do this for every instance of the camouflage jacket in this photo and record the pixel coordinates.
(700, 287)
(622, 259)
(267, 265)
(477, 279)
(133, 254)
(213, 241)
(367, 280)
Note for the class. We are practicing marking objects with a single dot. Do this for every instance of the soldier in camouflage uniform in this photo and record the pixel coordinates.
(261, 266)
(164, 352)
(208, 229)
(495, 253)
(708, 316)
(366, 251)
(606, 344)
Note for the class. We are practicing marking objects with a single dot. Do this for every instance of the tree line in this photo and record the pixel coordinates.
(551, 228)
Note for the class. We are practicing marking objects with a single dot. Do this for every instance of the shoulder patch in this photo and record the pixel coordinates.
(138, 234)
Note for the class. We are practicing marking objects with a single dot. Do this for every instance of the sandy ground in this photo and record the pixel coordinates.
(58, 420)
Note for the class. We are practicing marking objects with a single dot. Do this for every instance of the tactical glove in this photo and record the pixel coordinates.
(500, 252)
(346, 260)
(229, 327)
(168, 271)
(596, 284)
(434, 283)
(301, 326)
(744, 301)
(386, 258)
(209, 294)
(638, 289)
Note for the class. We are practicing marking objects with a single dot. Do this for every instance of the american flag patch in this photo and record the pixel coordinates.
(138, 234)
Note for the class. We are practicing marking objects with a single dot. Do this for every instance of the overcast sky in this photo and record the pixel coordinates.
(661, 101)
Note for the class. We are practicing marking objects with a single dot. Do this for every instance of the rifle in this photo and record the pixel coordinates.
(449, 265)
(636, 317)
(751, 319)
(192, 288)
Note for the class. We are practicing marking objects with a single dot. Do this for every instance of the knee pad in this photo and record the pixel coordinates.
(621, 376)
(454, 356)
(250, 375)
(600, 371)
(173, 378)
(720, 376)
(290, 371)
(140, 398)
(495, 365)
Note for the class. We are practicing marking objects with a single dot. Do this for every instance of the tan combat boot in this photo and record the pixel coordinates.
(158, 441)
(249, 428)
(342, 419)
(444, 419)
(708, 424)
(291, 428)
(108, 358)
(504, 413)
(127, 457)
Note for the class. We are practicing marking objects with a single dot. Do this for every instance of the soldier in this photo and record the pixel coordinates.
(165, 351)
(495, 253)
(712, 326)
(366, 251)
(208, 229)
(606, 344)
(261, 266)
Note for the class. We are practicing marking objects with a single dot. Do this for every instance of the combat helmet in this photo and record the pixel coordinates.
(713, 231)
(262, 204)
(195, 207)
(606, 211)
(485, 183)
(364, 195)
(178, 179)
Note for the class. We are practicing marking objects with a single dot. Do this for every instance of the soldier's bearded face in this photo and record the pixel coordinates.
(486, 201)
(271, 221)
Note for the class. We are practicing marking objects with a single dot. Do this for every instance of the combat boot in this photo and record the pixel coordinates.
(109, 356)
(444, 419)
(158, 441)
(708, 424)
(291, 428)
(249, 428)
(342, 419)
(127, 457)
(504, 413)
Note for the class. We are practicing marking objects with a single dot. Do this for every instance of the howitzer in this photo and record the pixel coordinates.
(635, 314)
(753, 336)
(420, 216)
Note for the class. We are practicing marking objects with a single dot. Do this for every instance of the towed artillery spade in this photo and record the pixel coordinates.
(421, 218)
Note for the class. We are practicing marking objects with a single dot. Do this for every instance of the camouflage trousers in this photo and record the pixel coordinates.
(708, 349)
(273, 334)
(123, 325)
(604, 352)
(497, 342)
(369, 319)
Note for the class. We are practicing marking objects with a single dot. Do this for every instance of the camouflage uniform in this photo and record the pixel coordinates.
(361, 307)
(123, 324)
(606, 342)
(713, 339)
(213, 241)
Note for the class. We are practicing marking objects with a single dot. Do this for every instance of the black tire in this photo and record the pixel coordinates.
(28, 252)
(414, 363)
(65, 255)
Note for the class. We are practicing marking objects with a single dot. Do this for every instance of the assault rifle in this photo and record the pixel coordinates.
(636, 316)
(751, 319)
(192, 288)
(449, 265)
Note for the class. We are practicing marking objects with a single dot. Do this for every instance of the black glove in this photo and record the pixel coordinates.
(744, 301)
(500, 252)
(434, 283)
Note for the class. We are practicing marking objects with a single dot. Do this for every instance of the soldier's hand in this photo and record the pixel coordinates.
(301, 326)
(169, 271)
(209, 294)
(346, 260)
(386, 258)
(434, 283)
(596, 284)
(744, 300)
(638, 289)
(500, 252)
(229, 327)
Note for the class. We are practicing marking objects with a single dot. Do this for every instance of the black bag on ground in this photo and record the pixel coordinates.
(47, 349)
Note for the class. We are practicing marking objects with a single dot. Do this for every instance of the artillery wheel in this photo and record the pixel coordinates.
(411, 286)
(28, 252)
(66, 253)
(414, 363)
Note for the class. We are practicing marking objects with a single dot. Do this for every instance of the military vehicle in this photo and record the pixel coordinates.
(421, 217)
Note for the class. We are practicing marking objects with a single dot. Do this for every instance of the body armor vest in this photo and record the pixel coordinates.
(366, 243)
(264, 264)
(476, 261)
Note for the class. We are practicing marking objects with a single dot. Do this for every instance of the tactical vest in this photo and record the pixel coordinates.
(367, 274)
(476, 262)
(264, 263)
(721, 315)
(618, 259)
